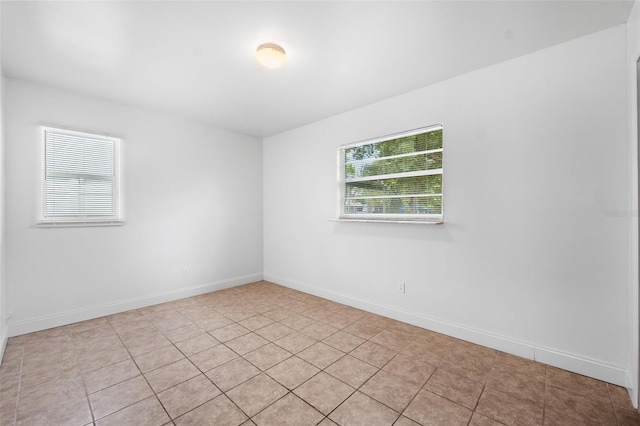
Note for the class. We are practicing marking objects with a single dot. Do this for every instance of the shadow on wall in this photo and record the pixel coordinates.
(409, 231)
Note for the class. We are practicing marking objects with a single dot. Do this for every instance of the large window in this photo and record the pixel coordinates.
(81, 182)
(394, 178)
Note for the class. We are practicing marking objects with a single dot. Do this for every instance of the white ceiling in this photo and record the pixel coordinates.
(197, 59)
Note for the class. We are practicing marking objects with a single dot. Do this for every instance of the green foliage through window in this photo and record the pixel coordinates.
(399, 177)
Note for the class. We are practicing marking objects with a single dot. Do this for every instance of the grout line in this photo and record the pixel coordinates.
(312, 303)
(84, 385)
(145, 379)
(15, 416)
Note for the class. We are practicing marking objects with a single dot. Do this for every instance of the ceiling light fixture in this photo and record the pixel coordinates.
(270, 55)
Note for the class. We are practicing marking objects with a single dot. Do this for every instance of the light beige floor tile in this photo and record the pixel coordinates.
(426, 352)
(576, 383)
(344, 342)
(219, 411)
(297, 322)
(321, 355)
(288, 411)
(158, 358)
(509, 379)
(523, 365)
(361, 410)
(319, 331)
(213, 323)
(324, 392)
(390, 390)
(70, 412)
(256, 394)
(278, 314)
(373, 354)
(54, 394)
(228, 332)
(351, 370)
(373, 370)
(145, 342)
(430, 409)
(560, 402)
(119, 396)
(267, 356)
(409, 369)
(405, 421)
(99, 359)
(147, 412)
(213, 357)
(170, 375)
(455, 388)
(197, 344)
(274, 332)
(480, 420)
(256, 322)
(231, 374)
(467, 365)
(292, 372)
(188, 395)
(295, 342)
(362, 329)
(247, 343)
(107, 376)
(508, 409)
(396, 341)
(183, 333)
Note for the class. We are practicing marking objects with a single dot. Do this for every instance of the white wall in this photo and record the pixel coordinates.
(192, 198)
(3, 286)
(536, 150)
(633, 53)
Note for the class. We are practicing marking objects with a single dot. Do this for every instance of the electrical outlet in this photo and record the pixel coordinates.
(401, 287)
(185, 271)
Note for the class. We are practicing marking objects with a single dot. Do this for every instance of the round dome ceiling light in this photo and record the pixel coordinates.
(270, 55)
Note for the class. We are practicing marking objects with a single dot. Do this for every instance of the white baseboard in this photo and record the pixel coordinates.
(4, 336)
(42, 323)
(632, 388)
(581, 365)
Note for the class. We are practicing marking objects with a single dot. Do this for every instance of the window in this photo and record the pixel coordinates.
(81, 178)
(394, 178)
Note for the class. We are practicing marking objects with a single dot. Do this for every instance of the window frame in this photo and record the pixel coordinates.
(116, 219)
(426, 218)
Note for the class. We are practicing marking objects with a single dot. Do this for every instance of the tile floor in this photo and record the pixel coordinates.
(266, 355)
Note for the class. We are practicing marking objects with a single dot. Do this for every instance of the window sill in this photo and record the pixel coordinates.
(69, 224)
(404, 222)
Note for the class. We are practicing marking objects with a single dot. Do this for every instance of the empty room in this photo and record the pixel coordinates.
(319, 213)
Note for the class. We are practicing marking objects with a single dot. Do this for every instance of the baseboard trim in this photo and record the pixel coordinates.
(63, 318)
(582, 365)
(4, 337)
(577, 364)
(632, 389)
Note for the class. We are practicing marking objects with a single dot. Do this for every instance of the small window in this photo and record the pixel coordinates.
(81, 184)
(394, 178)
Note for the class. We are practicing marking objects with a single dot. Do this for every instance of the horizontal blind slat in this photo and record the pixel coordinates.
(399, 176)
(80, 176)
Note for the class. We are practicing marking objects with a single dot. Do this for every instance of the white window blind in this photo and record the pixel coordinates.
(81, 179)
(394, 178)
